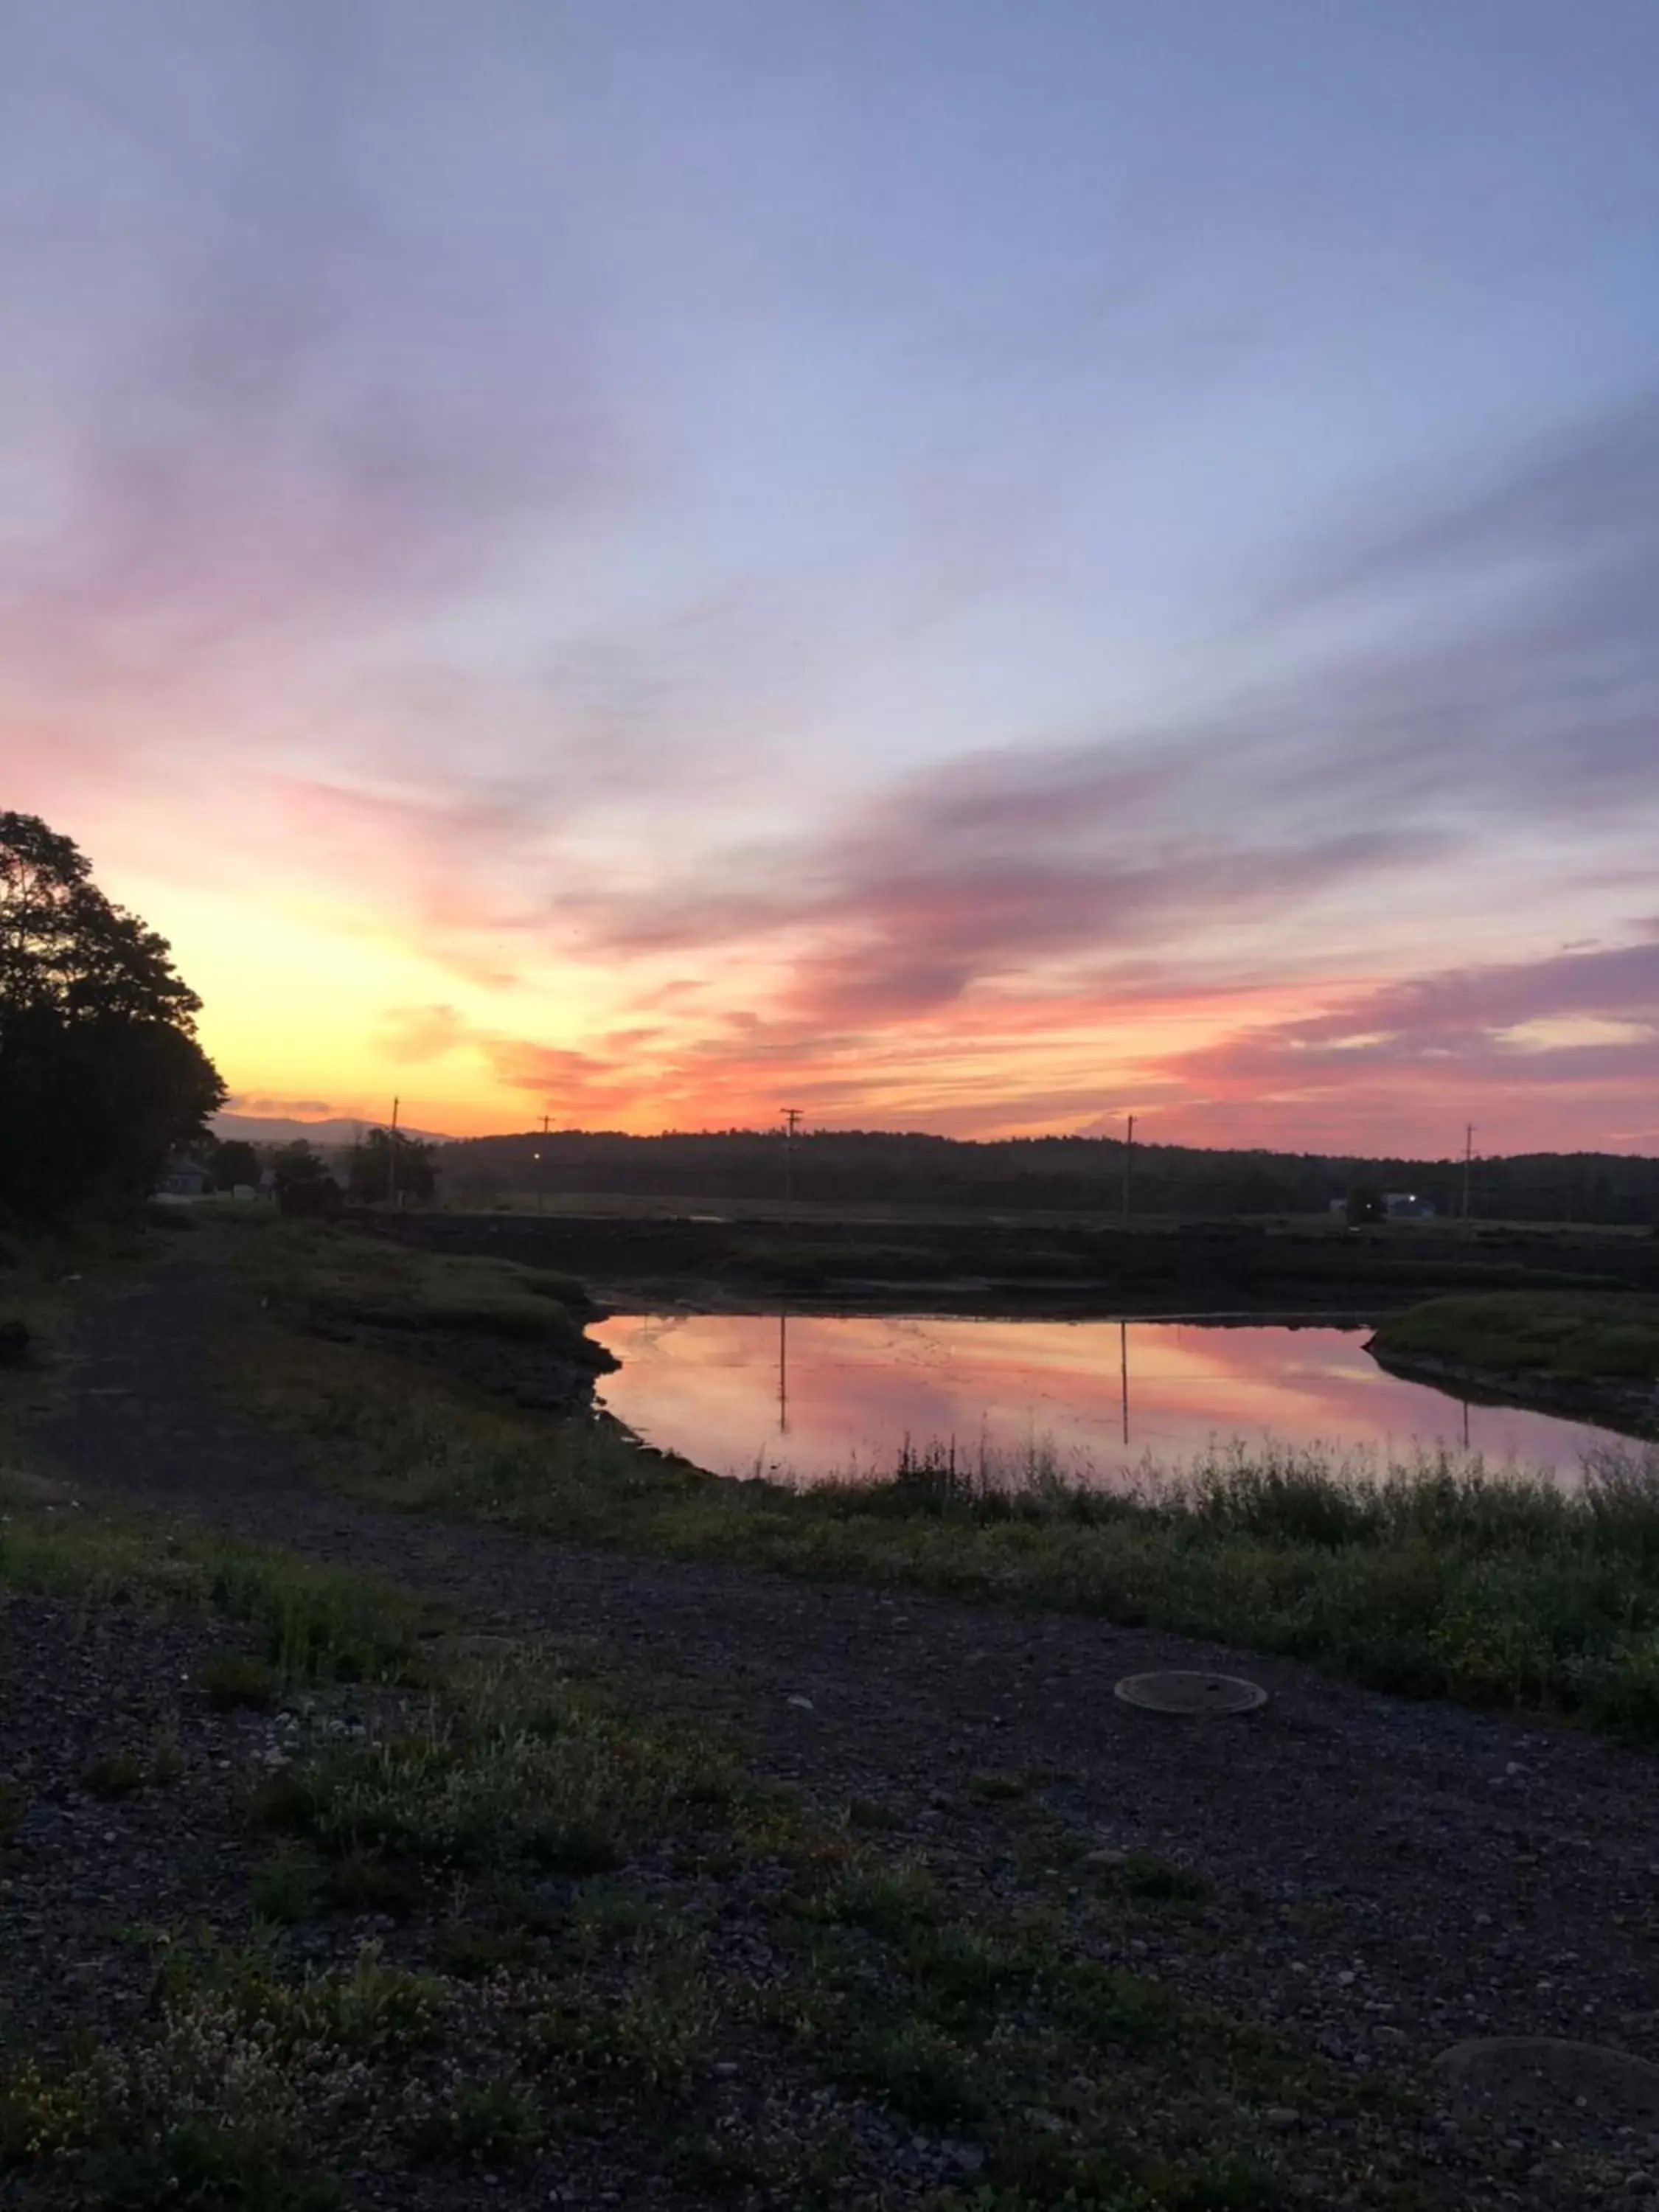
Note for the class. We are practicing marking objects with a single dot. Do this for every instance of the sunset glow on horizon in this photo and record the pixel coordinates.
(966, 568)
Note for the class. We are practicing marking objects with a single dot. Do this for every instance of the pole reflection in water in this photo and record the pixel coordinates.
(1123, 1376)
(847, 1390)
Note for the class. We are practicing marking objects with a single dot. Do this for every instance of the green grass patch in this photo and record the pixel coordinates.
(116, 1774)
(509, 1769)
(313, 1624)
(491, 2123)
(232, 1679)
(331, 1280)
(1509, 1334)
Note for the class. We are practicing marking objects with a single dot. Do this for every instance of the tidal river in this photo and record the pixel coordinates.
(809, 1395)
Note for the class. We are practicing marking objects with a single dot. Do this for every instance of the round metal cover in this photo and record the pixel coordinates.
(1514, 2075)
(1189, 1691)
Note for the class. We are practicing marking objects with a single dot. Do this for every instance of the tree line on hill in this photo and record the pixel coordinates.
(1069, 1174)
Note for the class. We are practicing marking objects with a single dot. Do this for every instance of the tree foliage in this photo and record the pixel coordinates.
(295, 1164)
(233, 1161)
(101, 1073)
(389, 1166)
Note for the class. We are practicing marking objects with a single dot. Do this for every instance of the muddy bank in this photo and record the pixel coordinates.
(527, 1372)
(1632, 1409)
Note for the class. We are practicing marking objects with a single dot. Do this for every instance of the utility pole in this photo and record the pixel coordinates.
(1129, 1156)
(541, 1173)
(392, 1158)
(792, 1117)
(1468, 1156)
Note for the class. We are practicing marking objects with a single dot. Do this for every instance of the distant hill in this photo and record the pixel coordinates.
(327, 1136)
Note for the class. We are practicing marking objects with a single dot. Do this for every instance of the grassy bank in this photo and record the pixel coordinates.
(1509, 1335)
(323, 1281)
(1436, 1580)
(483, 1931)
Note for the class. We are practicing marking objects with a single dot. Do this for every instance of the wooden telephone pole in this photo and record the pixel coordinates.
(792, 1119)
(1128, 1160)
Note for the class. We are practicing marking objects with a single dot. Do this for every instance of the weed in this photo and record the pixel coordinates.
(921, 2071)
(473, 1954)
(317, 1623)
(231, 1679)
(890, 1901)
(488, 1780)
(996, 1789)
(199, 2163)
(287, 1888)
(1108, 2005)
(654, 2032)
(117, 1774)
(1143, 1876)
(875, 1819)
(487, 2122)
(42, 2110)
(719, 2166)
(607, 1918)
(360, 1882)
(956, 1972)
(167, 1758)
(577, 1847)
(206, 2164)
(13, 1806)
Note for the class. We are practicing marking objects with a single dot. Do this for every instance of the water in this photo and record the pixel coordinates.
(813, 1395)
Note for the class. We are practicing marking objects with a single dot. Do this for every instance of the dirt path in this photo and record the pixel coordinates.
(1389, 1877)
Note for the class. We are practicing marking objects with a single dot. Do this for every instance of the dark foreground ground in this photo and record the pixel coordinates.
(1370, 1879)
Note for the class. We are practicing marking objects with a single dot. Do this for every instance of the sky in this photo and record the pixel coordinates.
(958, 564)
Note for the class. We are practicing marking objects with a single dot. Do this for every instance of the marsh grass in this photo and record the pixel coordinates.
(329, 1279)
(1575, 1337)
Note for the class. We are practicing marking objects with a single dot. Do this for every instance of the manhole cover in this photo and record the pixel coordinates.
(1514, 2075)
(1192, 1692)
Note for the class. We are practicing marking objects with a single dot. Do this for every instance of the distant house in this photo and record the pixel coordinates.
(183, 1179)
(1406, 1206)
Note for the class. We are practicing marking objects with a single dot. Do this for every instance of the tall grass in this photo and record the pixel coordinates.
(1293, 1495)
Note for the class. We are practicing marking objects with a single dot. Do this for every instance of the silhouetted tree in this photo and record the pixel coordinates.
(387, 1163)
(295, 1164)
(100, 1073)
(233, 1161)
